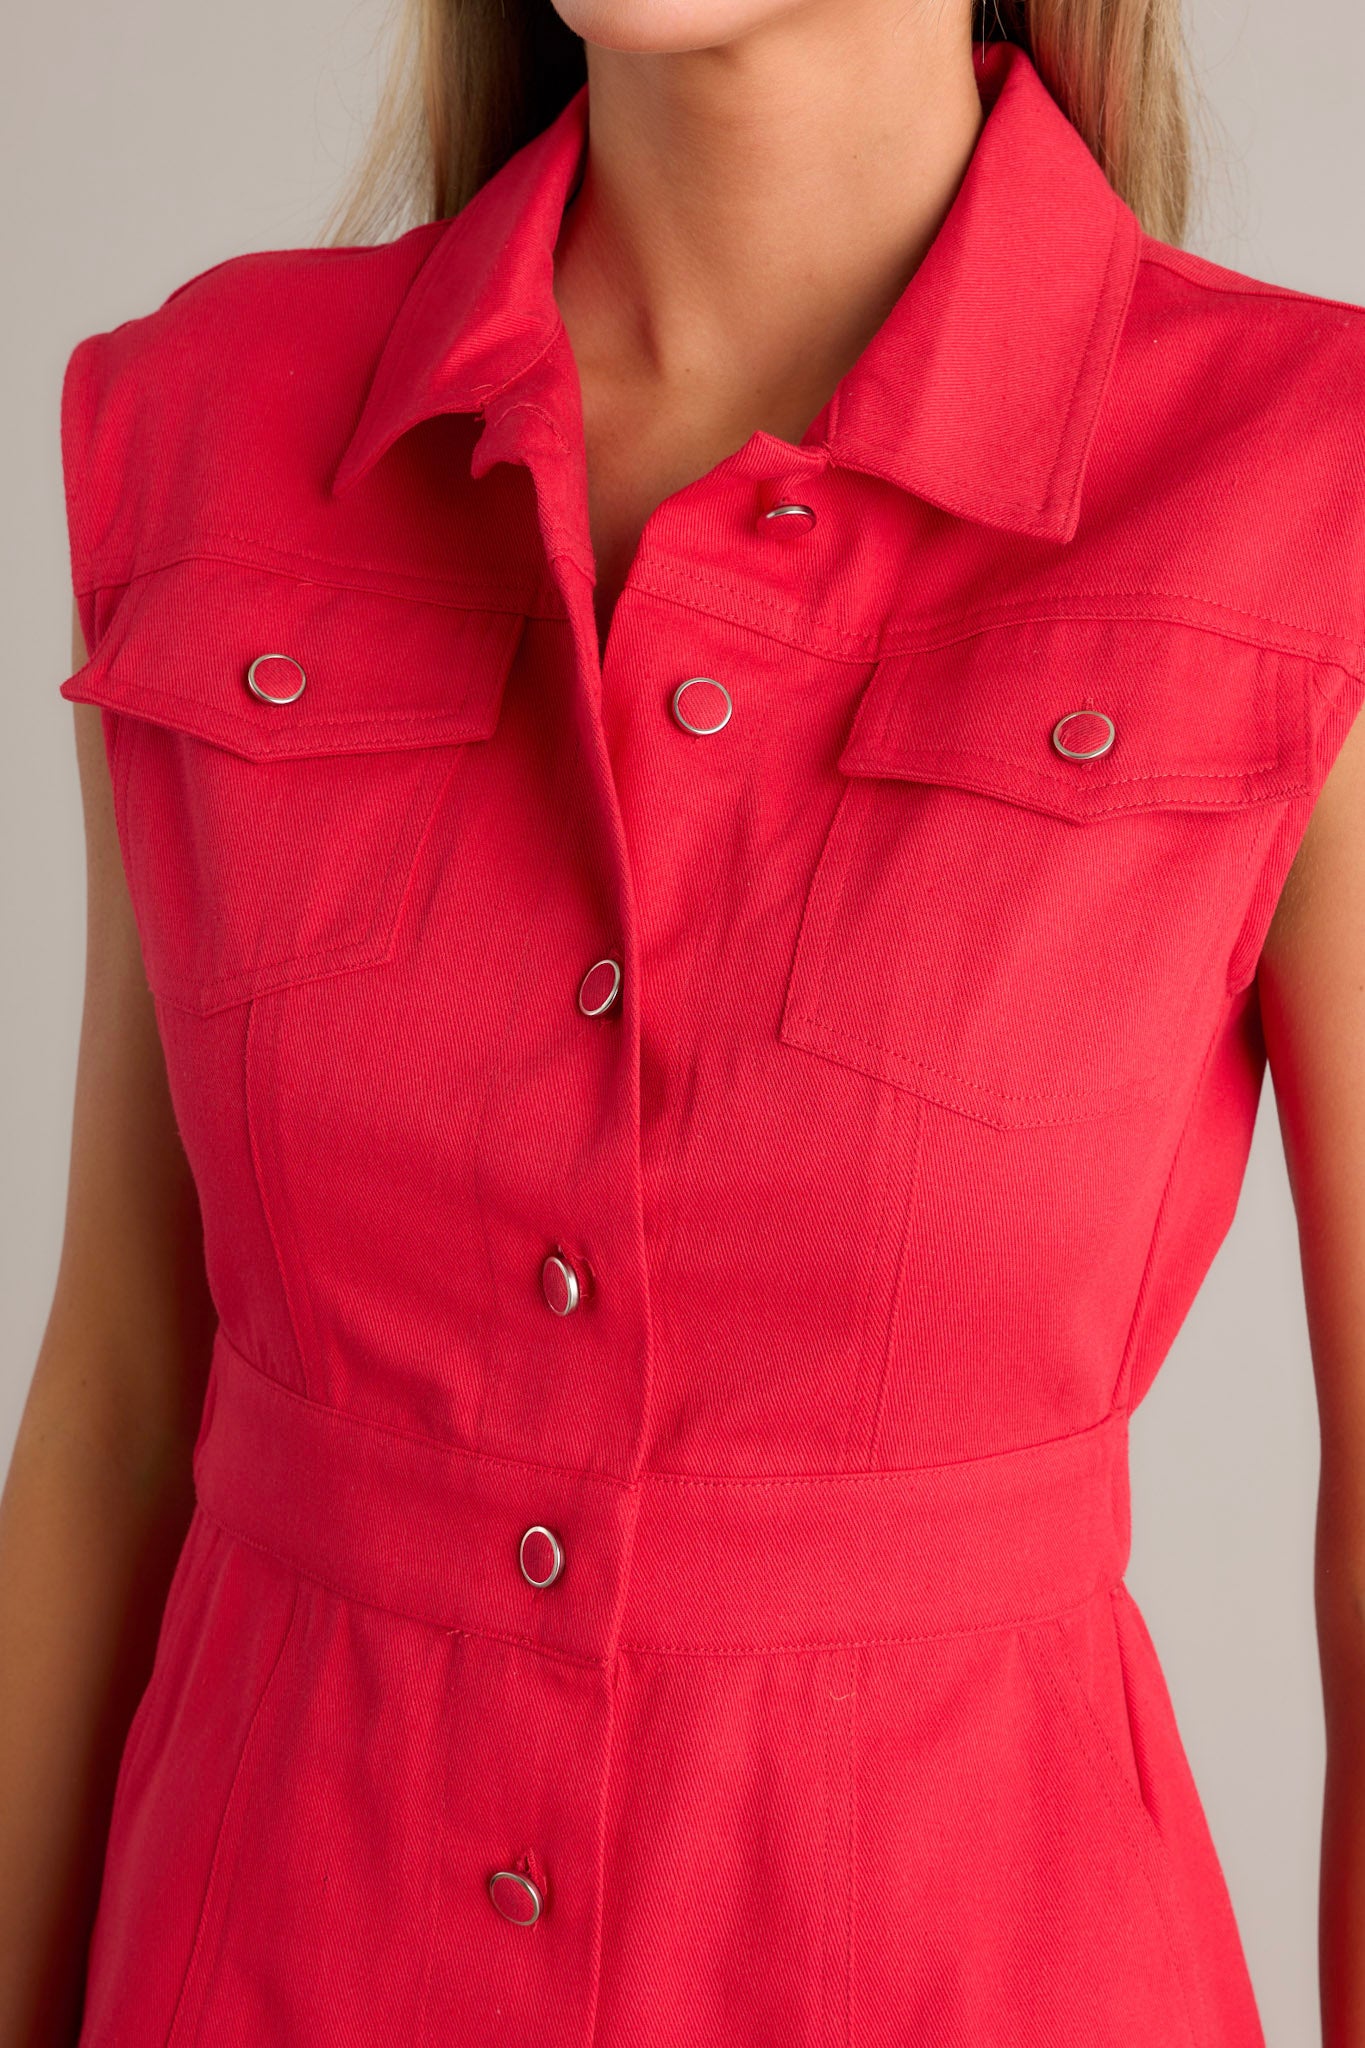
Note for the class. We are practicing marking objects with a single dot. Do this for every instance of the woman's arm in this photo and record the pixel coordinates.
(1312, 989)
(99, 1489)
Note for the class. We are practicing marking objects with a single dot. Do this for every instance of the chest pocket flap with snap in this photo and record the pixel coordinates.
(278, 750)
(1045, 834)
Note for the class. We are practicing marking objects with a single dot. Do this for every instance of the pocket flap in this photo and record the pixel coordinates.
(1199, 721)
(379, 671)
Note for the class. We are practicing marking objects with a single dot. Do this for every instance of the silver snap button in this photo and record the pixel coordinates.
(516, 1897)
(699, 719)
(268, 696)
(559, 1284)
(540, 1555)
(1083, 735)
(598, 988)
(791, 518)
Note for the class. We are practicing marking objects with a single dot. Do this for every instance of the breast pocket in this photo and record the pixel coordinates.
(279, 748)
(1043, 844)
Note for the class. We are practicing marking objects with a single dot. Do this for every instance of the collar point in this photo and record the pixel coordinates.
(1054, 522)
(355, 462)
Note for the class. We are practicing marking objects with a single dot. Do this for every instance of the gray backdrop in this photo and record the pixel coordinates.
(142, 143)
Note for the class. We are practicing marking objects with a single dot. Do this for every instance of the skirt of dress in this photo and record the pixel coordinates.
(842, 1760)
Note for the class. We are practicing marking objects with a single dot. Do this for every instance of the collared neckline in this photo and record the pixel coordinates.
(980, 390)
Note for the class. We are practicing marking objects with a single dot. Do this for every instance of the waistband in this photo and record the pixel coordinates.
(667, 1561)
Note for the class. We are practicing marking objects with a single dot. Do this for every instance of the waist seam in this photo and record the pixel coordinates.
(643, 1646)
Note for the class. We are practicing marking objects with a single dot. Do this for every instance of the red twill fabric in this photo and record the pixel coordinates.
(695, 1180)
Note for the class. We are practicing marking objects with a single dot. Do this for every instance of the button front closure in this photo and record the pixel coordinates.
(516, 1897)
(541, 1555)
(708, 704)
(790, 519)
(559, 1284)
(1083, 735)
(597, 990)
(291, 668)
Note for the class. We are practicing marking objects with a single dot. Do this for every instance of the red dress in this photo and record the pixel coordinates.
(700, 1151)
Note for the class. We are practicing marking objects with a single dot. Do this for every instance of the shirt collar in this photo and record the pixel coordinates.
(979, 391)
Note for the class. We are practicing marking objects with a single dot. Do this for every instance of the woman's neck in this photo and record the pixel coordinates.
(761, 205)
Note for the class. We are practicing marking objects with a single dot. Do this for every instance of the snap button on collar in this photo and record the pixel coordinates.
(790, 518)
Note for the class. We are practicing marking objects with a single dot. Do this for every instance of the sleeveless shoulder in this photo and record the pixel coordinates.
(169, 419)
(1260, 391)
(1237, 417)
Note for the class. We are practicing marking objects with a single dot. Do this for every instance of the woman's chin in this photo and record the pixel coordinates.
(663, 26)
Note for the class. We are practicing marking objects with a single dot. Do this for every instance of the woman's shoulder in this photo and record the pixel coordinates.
(1265, 346)
(263, 299)
(1235, 439)
(260, 348)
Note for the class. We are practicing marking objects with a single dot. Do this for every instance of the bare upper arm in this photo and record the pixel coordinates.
(131, 1296)
(1312, 991)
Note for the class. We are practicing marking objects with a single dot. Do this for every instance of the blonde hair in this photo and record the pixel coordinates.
(472, 80)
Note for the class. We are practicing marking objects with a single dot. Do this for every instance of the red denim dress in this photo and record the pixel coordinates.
(700, 1150)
